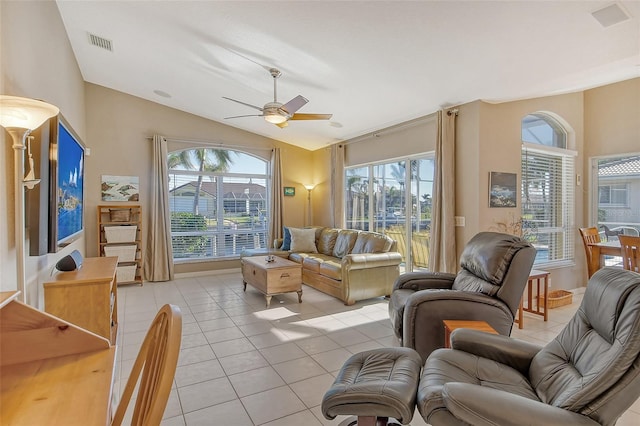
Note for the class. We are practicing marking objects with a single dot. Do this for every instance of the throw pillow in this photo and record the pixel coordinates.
(286, 240)
(303, 240)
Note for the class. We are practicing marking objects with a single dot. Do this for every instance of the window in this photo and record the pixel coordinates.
(218, 203)
(613, 195)
(547, 189)
(616, 187)
(393, 198)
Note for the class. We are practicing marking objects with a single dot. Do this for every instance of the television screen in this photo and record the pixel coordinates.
(67, 156)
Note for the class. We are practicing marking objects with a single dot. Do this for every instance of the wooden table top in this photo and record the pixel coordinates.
(278, 262)
(475, 325)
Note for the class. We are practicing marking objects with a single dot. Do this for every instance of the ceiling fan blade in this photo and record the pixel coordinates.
(295, 104)
(240, 116)
(282, 125)
(311, 116)
(243, 103)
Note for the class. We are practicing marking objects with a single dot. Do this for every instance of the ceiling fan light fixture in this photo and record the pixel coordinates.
(275, 118)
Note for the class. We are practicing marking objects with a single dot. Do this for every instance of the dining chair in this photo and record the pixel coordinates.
(630, 252)
(590, 236)
(155, 366)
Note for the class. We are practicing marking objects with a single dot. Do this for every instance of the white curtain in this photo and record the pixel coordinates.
(275, 218)
(443, 256)
(158, 260)
(337, 186)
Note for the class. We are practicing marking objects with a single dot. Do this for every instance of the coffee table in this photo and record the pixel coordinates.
(275, 277)
(450, 325)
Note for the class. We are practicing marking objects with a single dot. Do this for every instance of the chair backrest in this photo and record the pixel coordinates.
(589, 236)
(593, 366)
(155, 366)
(497, 265)
(630, 252)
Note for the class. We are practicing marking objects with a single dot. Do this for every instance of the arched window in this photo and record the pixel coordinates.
(218, 201)
(548, 188)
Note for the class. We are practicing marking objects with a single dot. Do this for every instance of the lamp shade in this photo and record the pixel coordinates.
(24, 113)
(275, 118)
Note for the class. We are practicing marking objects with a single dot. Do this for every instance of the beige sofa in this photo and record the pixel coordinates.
(350, 265)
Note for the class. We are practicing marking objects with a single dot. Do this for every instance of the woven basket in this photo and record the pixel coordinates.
(557, 298)
(120, 215)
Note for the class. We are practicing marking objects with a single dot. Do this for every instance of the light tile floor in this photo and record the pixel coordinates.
(242, 364)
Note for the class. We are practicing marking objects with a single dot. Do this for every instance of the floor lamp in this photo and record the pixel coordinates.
(309, 189)
(19, 116)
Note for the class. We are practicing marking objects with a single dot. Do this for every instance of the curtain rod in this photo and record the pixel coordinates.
(213, 143)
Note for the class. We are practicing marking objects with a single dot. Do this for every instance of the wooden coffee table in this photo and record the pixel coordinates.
(276, 277)
(450, 325)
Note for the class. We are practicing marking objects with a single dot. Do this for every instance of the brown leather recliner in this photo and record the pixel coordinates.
(495, 268)
(588, 375)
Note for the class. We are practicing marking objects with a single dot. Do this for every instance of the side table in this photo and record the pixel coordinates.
(541, 279)
(450, 325)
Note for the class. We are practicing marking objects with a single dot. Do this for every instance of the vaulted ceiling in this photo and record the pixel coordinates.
(371, 64)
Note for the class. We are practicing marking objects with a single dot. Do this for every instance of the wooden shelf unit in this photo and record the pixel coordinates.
(86, 297)
(113, 215)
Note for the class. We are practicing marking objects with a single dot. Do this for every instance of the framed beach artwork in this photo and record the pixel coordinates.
(503, 189)
(120, 188)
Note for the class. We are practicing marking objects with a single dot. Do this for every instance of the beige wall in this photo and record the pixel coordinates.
(119, 127)
(37, 62)
(612, 127)
(489, 139)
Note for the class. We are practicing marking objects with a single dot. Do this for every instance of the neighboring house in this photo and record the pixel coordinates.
(619, 191)
(242, 198)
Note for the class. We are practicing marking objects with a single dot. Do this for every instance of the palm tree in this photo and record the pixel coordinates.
(206, 160)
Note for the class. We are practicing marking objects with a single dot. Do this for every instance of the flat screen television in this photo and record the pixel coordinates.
(66, 184)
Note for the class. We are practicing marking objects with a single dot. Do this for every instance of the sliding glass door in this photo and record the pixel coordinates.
(394, 198)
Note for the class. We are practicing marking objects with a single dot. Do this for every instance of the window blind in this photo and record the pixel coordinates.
(548, 202)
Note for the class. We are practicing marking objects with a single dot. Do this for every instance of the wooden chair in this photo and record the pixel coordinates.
(156, 367)
(590, 236)
(630, 252)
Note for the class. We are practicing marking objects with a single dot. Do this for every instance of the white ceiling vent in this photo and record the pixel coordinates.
(611, 15)
(100, 42)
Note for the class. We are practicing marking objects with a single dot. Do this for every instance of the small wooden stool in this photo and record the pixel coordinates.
(541, 278)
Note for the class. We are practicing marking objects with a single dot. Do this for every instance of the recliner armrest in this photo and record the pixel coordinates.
(424, 281)
(480, 405)
(514, 353)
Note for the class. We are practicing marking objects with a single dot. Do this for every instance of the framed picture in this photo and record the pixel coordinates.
(120, 188)
(289, 191)
(503, 189)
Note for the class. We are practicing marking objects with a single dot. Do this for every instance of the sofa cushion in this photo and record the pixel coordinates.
(332, 269)
(286, 240)
(327, 241)
(371, 242)
(344, 243)
(303, 240)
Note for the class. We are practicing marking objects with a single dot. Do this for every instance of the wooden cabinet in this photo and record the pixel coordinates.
(52, 372)
(120, 234)
(86, 297)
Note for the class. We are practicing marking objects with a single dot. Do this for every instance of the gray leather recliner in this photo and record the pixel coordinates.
(588, 375)
(495, 268)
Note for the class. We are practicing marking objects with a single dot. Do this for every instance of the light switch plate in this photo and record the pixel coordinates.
(459, 220)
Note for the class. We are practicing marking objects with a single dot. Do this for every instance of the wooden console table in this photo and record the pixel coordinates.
(87, 297)
(51, 372)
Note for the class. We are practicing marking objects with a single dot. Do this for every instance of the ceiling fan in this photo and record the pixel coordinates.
(278, 113)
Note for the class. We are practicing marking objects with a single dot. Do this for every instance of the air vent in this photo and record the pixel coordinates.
(611, 15)
(100, 42)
